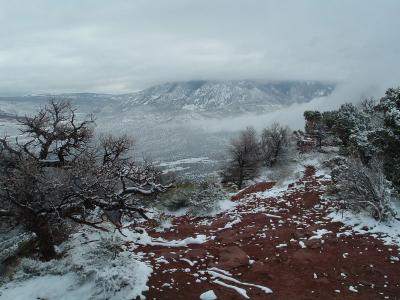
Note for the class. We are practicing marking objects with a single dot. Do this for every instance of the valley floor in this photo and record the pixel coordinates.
(274, 244)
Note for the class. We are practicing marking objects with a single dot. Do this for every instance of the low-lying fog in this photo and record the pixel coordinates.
(197, 142)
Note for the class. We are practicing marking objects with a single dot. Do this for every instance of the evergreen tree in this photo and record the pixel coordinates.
(388, 138)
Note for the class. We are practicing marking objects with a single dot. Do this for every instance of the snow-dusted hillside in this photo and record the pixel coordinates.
(234, 96)
(200, 96)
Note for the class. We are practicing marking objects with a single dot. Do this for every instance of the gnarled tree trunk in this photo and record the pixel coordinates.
(45, 239)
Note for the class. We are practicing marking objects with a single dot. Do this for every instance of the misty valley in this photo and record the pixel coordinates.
(169, 122)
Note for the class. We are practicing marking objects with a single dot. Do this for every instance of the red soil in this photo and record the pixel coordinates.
(258, 187)
(248, 249)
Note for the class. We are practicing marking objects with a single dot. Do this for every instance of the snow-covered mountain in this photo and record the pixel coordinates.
(234, 96)
(197, 96)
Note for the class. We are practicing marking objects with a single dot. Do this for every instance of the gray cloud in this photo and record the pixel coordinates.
(121, 46)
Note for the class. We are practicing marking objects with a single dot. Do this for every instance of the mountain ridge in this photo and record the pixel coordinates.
(232, 95)
(203, 96)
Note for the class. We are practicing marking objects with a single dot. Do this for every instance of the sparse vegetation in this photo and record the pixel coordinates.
(365, 188)
(248, 153)
(243, 162)
(369, 133)
(274, 143)
(198, 198)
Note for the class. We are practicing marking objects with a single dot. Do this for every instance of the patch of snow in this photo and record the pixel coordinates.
(394, 258)
(228, 278)
(219, 270)
(223, 206)
(186, 161)
(191, 263)
(220, 207)
(353, 289)
(237, 289)
(302, 245)
(388, 232)
(161, 259)
(62, 287)
(93, 267)
(319, 233)
(231, 223)
(209, 295)
(145, 239)
(276, 191)
(273, 216)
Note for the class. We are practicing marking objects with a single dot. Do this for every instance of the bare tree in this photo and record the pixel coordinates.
(274, 142)
(58, 174)
(55, 133)
(243, 163)
(113, 147)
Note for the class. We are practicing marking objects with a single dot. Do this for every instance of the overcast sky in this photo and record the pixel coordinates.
(121, 46)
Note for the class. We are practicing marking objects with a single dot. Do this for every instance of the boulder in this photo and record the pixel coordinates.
(232, 257)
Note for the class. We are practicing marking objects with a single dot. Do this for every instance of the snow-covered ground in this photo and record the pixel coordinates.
(388, 232)
(97, 265)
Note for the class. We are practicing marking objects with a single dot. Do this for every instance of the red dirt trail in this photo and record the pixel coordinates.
(266, 241)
